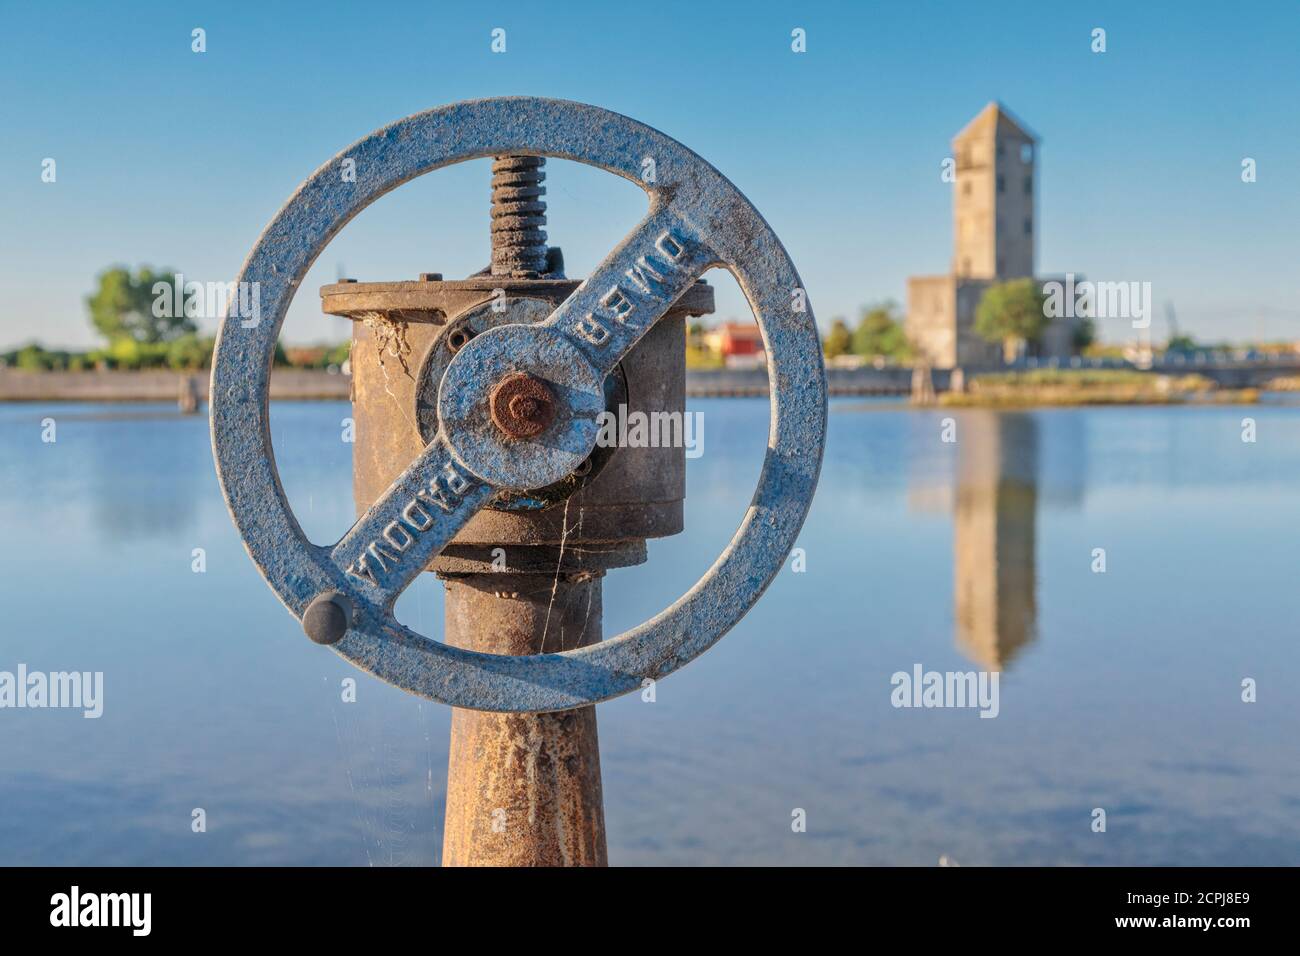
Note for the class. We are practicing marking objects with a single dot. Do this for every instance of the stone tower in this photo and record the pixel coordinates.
(993, 241)
(993, 200)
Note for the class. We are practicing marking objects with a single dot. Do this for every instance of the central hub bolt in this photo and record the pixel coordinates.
(522, 406)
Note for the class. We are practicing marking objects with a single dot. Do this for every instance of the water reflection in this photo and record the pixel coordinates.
(1013, 507)
(145, 482)
(994, 521)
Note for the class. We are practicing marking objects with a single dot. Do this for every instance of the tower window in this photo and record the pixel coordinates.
(1029, 185)
(1029, 226)
(1026, 153)
(1002, 184)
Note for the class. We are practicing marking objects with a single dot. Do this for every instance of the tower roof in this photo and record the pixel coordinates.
(993, 119)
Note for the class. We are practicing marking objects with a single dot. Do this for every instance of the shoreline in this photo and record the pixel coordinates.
(159, 385)
(290, 384)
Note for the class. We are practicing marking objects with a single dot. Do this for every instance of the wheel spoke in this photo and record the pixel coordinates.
(633, 288)
(411, 522)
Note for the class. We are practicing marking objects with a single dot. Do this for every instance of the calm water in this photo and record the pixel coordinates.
(1119, 690)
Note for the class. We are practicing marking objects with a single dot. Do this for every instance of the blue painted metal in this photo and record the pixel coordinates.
(697, 220)
(465, 420)
(510, 310)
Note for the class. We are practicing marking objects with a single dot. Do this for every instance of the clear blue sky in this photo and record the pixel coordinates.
(172, 158)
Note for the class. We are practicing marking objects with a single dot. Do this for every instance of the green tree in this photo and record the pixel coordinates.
(125, 306)
(1011, 313)
(339, 354)
(126, 352)
(839, 340)
(1085, 333)
(31, 358)
(189, 352)
(880, 333)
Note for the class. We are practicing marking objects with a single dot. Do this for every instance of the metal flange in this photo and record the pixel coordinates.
(434, 300)
(697, 220)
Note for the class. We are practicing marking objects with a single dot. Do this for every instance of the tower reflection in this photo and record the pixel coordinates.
(994, 521)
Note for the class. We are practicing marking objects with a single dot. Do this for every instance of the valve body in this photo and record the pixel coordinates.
(525, 576)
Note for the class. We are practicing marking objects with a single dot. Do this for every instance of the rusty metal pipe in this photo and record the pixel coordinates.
(524, 789)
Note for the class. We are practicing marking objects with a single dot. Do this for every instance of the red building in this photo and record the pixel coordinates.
(740, 340)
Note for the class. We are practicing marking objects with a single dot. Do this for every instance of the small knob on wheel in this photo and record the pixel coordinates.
(328, 617)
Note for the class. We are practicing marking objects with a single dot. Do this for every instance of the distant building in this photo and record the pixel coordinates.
(306, 356)
(739, 343)
(993, 241)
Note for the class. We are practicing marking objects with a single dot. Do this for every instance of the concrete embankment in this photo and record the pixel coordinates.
(705, 383)
(156, 385)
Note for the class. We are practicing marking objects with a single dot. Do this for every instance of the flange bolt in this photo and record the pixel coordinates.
(522, 406)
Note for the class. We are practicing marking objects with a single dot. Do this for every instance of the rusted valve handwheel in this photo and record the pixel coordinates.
(345, 593)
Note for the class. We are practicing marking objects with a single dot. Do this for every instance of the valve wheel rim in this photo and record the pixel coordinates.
(687, 193)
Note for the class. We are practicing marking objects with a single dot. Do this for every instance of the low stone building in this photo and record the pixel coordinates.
(993, 241)
(739, 343)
